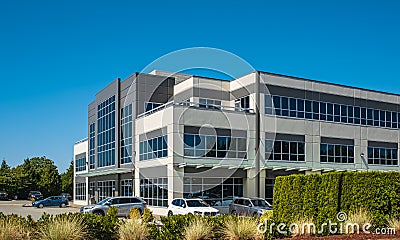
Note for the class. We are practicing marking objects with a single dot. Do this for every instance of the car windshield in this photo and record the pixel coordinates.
(103, 201)
(260, 203)
(196, 203)
(35, 192)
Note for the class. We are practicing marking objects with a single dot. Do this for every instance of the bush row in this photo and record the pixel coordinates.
(321, 197)
(109, 227)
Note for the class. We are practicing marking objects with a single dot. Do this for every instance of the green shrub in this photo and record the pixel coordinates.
(321, 197)
(112, 211)
(99, 227)
(328, 198)
(267, 216)
(287, 191)
(173, 227)
(376, 192)
(147, 216)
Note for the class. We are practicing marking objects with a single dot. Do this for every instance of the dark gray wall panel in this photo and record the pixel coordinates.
(382, 144)
(342, 141)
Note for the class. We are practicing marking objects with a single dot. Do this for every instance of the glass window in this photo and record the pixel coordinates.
(126, 187)
(80, 191)
(157, 147)
(268, 104)
(214, 194)
(214, 146)
(336, 153)
(92, 149)
(106, 133)
(80, 163)
(155, 191)
(382, 156)
(126, 134)
(106, 189)
(209, 103)
(332, 112)
(315, 108)
(285, 150)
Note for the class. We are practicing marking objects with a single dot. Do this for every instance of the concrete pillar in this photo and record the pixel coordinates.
(250, 183)
(175, 182)
(263, 174)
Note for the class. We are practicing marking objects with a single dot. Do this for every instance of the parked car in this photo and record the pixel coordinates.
(67, 196)
(249, 206)
(222, 204)
(54, 201)
(182, 206)
(3, 196)
(124, 205)
(36, 195)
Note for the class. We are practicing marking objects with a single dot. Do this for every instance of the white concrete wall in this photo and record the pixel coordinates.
(79, 148)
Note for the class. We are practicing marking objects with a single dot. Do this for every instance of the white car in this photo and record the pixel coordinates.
(195, 206)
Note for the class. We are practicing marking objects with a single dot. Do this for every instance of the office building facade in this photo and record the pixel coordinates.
(163, 135)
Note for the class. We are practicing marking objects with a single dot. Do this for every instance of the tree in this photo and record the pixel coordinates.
(4, 168)
(5, 176)
(67, 179)
(43, 175)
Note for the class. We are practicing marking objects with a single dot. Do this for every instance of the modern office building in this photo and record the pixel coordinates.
(164, 135)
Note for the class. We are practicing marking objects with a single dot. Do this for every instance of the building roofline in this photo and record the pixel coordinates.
(274, 74)
(81, 141)
(335, 84)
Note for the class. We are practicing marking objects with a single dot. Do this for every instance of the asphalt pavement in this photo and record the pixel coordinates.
(24, 208)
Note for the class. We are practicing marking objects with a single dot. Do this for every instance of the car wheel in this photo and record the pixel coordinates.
(63, 205)
(100, 213)
(170, 214)
(16, 197)
(40, 205)
(234, 213)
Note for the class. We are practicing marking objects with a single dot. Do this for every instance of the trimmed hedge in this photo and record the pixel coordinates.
(323, 196)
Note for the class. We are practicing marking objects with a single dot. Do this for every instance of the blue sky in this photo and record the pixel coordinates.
(55, 55)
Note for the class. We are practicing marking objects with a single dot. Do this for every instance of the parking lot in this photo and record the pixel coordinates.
(19, 207)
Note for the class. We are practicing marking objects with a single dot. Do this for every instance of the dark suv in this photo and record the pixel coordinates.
(249, 206)
(35, 195)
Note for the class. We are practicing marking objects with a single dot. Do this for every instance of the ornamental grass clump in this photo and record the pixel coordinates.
(11, 229)
(394, 223)
(133, 229)
(198, 229)
(241, 228)
(63, 228)
(303, 227)
(134, 213)
(357, 218)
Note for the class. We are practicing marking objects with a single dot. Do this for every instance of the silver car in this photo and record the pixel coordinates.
(123, 204)
(249, 206)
